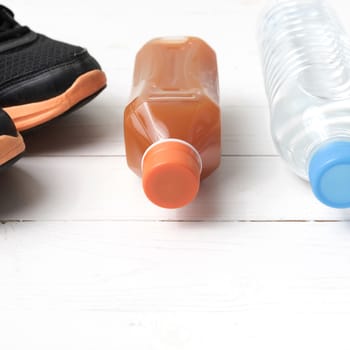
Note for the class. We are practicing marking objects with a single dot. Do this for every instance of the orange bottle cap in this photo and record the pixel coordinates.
(171, 173)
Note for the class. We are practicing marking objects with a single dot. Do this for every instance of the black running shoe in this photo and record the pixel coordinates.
(41, 78)
(11, 142)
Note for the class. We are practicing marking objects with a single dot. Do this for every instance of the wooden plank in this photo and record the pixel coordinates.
(174, 285)
(175, 330)
(103, 188)
(192, 267)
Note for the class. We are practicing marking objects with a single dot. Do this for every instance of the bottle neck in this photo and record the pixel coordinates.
(195, 151)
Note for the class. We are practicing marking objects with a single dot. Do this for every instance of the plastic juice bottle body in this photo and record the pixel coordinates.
(175, 97)
(306, 63)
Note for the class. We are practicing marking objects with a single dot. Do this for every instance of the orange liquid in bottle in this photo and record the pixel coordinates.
(172, 125)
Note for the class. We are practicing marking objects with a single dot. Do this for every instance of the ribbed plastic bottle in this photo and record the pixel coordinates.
(306, 64)
(172, 124)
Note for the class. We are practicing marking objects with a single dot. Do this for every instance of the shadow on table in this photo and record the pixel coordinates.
(210, 204)
(76, 131)
(18, 188)
(19, 191)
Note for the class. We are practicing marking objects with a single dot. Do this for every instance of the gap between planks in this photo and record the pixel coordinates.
(4, 222)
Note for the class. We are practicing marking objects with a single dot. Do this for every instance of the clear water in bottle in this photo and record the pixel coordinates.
(306, 64)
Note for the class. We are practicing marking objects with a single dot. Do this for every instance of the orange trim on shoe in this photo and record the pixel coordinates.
(30, 115)
(10, 147)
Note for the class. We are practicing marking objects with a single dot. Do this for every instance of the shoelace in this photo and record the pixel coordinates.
(9, 28)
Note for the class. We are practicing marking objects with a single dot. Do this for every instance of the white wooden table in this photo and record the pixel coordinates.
(86, 262)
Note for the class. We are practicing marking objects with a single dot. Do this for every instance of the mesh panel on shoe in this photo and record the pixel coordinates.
(40, 55)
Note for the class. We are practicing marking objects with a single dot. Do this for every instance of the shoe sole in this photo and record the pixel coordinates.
(61, 116)
(32, 115)
(11, 149)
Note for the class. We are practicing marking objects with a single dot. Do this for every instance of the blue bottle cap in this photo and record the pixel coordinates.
(329, 174)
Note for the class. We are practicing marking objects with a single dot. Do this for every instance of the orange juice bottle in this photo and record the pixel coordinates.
(172, 125)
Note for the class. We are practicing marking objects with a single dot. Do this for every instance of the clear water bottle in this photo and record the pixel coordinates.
(306, 64)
